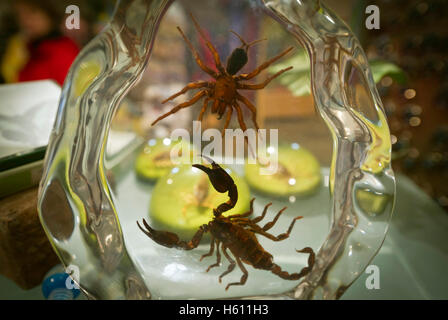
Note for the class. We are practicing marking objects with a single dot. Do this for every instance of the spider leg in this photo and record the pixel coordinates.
(264, 83)
(241, 120)
(240, 117)
(229, 116)
(210, 46)
(243, 277)
(283, 236)
(212, 248)
(193, 100)
(263, 66)
(215, 106)
(204, 108)
(218, 258)
(171, 240)
(251, 107)
(190, 86)
(196, 56)
(231, 265)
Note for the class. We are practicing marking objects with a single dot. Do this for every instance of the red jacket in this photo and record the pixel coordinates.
(50, 58)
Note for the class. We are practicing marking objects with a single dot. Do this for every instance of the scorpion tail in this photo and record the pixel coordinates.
(222, 182)
(296, 276)
(219, 178)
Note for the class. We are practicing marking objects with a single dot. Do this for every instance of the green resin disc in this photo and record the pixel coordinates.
(298, 172)
(154, 161)
(183, 200)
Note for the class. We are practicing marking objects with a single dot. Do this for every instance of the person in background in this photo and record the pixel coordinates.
(12, 55)
(94, 15)
(50, 53)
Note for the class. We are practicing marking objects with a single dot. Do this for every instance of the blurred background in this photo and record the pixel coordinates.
(411, 44)
(408, 55)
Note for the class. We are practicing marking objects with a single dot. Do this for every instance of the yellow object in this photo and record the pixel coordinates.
(298, 173)
(15, 58)
(154, 161)
(183, 200)
(371, 202)
(87, 72)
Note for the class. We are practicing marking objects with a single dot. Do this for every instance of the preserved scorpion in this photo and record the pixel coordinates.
(236, 233)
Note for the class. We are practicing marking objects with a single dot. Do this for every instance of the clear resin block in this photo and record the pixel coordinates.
(325, 156)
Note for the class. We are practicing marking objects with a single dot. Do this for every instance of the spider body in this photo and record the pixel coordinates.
(224, 94)
(222, 91)
(236, 61)
(235, 233)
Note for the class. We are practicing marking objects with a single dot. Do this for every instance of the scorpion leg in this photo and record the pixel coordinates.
(170, 239)
(258, 219)
(243, 277)
(252, 222)
(296, 276)
(263, 66)
(283, 236)
(231, 265)
(269, 225)
(218, 258)
(190, 86)
(212, 248)
(245, 214)
(264, 83)
(193, 100)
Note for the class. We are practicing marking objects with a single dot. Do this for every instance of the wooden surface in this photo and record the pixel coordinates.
(278, 102)
(25, 252)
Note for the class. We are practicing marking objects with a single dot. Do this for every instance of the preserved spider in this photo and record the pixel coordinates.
(223, 91)
(236, 233)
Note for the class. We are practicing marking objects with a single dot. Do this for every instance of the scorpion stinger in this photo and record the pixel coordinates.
(222, 182)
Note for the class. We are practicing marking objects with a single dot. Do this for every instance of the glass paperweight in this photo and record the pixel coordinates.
(296, 209)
